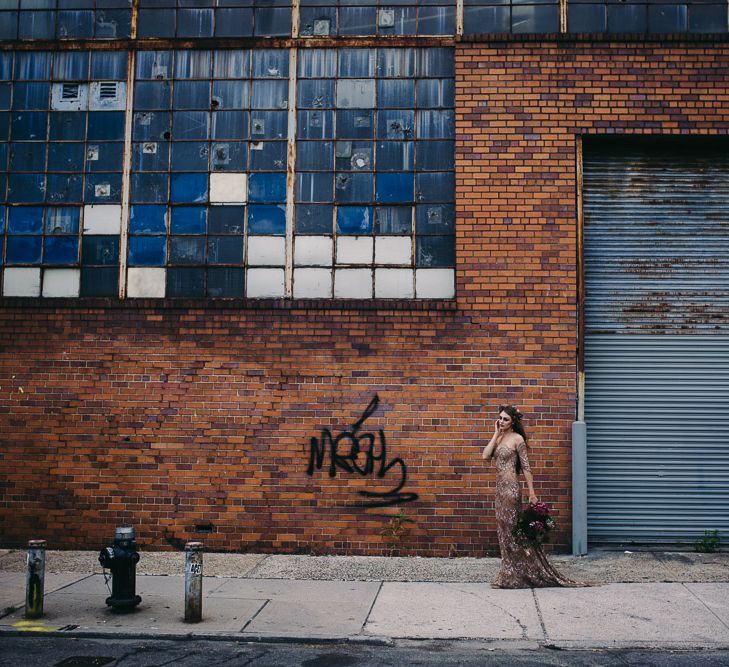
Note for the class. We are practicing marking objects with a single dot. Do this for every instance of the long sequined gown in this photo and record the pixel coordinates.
(520, 567)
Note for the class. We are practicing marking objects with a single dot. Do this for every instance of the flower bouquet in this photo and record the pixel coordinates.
(533, 525)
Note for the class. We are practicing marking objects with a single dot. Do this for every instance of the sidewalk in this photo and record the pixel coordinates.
(649, 599)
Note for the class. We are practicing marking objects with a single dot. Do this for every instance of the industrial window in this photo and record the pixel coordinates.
(61, 144)
(510, 16)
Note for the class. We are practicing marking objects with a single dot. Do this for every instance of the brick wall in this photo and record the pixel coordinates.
(175, 417)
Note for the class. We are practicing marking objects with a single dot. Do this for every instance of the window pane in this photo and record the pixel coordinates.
(263, 219)
(355, 219)
(188, 220)
(314, 219)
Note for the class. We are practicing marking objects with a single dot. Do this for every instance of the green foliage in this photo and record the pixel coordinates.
(709, 543)
(396, 529)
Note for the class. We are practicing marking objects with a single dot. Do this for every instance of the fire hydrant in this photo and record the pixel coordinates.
(122, 558)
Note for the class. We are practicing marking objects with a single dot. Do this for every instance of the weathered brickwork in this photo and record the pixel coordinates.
(179, 418)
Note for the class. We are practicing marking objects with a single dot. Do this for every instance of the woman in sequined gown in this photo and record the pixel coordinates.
(520, 567)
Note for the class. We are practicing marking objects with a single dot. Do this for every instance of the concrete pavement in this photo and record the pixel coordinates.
(650, 599)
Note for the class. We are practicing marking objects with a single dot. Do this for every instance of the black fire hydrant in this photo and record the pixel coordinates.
(122, 558)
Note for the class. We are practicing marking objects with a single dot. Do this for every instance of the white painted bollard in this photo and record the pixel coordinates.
(193, 581)
(35, 578)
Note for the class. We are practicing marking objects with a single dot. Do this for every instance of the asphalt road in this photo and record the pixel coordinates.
(40, 651)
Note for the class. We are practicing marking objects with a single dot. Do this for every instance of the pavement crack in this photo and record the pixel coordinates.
(253, 618)
(539, 615)
(372, 606)
(711, 611)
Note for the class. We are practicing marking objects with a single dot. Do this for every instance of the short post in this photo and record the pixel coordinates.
(35, 578)
(193, 581)
(579, 488)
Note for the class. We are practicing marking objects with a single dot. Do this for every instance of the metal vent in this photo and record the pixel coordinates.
(70, 91)
(108, 90)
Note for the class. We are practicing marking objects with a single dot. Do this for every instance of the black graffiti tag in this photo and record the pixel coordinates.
(358, 453)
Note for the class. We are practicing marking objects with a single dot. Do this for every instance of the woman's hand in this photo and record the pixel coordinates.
(497, 430)
(533, 498)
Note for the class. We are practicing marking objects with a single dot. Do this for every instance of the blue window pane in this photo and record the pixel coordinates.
(101, 250)
(272, 22)
(270, 64)
(436, 20)
(154, 64)
(394, 220)
(314, 187)
(4, 95)
(29, 125)
(625, 18)
(315, 124)
(354, 155)
(106, 126)
(394, 188)
(357, 63)
(314, 219)
(436, 62)
(229, 125)
(315, 155)
(395, 155)
(269, 125)
(225, 282)
(230, 156)
(25, 220)
(99, 281)
(27, 157)
(709, 18)
(269, 94)
(395, 124)
(24, 249)
(189, 188)
(317, 63)
(36, 25)
(106, 156)
(152, 126)
(194, 22)
(226, 219)
(148, 219)
(230, 94)
(60, 250)
(147, 250)
(435, 251)
(32, 65)
(355, 219)
(156, 23)
(192, 95)
(2, 219)
(190, 156)
(75, 25)
(65, 188)
(435, 219)
(268, 156)
(264, 219)
(152, 95)
(151, 156)
(435, 187)
(8, 25)
(436, 124)
(397, 93)
(434, 93)
(398, 63)
(435, 155)
(232, 63)
(70, 66)
(185, 282)
(188, 220)
(103, 188)
(6, 66)
(68, 126)
(111, 24)
(586, 18)
(357, 20)
(317, 94)
(63, 220)
(233, 22)
(150, 187)
(225, 249)
(4, 127)
(404, 22)
(267, 188)
(357, 124)
(108, 65)
(193, 64)
(353, 187)
(66, 156)
(31, 95)
(313, 18)
(187, 249)
(190, 125)
(26, 188)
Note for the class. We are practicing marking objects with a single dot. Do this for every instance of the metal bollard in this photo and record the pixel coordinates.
(35, 578)
(193, 581)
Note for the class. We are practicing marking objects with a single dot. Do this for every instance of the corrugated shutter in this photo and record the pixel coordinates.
(656, 247)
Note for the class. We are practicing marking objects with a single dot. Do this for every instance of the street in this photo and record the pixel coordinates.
(44, 651)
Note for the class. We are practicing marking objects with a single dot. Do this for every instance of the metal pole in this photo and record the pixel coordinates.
(35, 578)
(579, 488)
(193, 581)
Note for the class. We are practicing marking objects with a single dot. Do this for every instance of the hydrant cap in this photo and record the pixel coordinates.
(124, 534)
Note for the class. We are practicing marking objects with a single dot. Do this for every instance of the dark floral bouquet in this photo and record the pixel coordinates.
(533, 525)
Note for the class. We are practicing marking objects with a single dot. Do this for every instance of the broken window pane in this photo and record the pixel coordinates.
(230, 94)
(354, 187)
(435, 219)
(190, 156)
(396, 124)
(357, 124)
(316, 94)
(436, 251)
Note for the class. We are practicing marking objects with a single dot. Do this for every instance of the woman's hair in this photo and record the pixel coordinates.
(516, 425)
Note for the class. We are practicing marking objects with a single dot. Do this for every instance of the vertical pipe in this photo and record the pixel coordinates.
(35, 578)
(579, 488)
(563, 15)
(291, 173)
(126, 177)
(459, 18)
(580, 283)
(193, 581)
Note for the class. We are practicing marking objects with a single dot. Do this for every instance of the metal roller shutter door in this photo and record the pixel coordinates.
(656, 250)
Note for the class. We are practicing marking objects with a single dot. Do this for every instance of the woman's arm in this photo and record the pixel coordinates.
(521, 450)
(488, 450)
